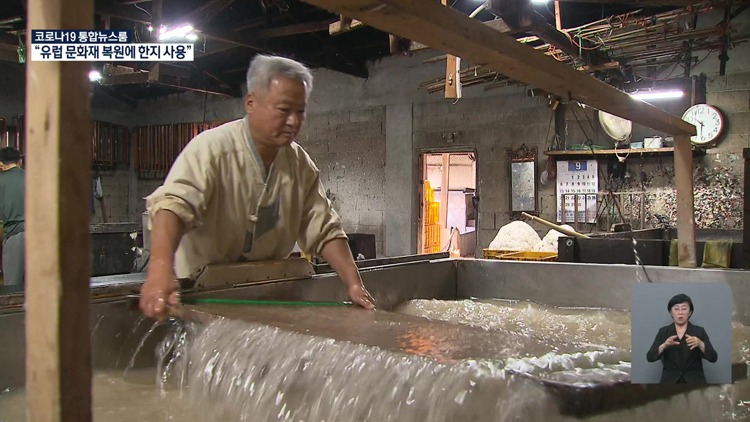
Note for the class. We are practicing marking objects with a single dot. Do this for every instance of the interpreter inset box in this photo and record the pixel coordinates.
(681, 333)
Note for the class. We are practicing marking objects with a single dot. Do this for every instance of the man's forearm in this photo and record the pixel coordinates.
(338, 254)
(167, 232)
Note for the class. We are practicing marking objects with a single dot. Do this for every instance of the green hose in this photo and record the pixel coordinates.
(263, 302)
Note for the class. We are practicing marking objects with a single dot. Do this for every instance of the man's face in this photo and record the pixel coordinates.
(275, 116)
(680, 312)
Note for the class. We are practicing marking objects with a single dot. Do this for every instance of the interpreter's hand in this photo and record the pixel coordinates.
(693, 342)
(360, 296)
(159, 291)
(671, 341)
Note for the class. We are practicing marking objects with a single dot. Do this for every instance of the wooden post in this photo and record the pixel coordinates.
(558, 16)
(444, 188)
(156, 20)
(683, 175)
(452, 74)
(58, 346)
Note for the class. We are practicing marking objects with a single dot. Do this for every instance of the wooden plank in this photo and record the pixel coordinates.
(683, 177)
(58, 130)
(644, 3)
(446, 29)
(126, 78)
(8, 39)
(284, 31)
(453, 77)
(339, 27)
(558, 16)
(8, 55)
(173, 70)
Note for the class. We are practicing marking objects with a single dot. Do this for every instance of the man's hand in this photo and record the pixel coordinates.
(159, 290)
(694, 342)
(361, 297)
(338, 254)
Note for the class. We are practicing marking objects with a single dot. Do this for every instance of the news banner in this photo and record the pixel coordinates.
(103, 45)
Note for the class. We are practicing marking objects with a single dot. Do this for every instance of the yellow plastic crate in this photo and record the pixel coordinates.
(529, 256)
(496, 253)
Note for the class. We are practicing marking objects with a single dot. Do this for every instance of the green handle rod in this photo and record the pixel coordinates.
(264, 302)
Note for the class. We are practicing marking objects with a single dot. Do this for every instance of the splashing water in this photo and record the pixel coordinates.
(233, 370)
(255, 372)
(138, 348)
(135, 329)
(639, 263)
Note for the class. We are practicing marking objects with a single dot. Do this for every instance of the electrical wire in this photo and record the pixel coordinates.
(660, 79)
(478, 10)
(572, 39)
(144, 10)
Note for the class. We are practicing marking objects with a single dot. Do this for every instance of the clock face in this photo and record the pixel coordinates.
(708, 122)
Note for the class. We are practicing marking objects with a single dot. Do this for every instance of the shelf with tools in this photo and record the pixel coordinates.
(620, 152)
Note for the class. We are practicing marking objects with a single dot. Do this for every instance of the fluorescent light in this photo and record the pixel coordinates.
(191, 37)
(94, 75)
(540, 1)
(657, 95)
(177, 33)
(150, 28)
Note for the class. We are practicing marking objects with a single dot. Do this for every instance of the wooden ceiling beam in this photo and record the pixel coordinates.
(345, 25)
(214, 50)
(197, 85)
(204, 13)
(7, 55)
(446, 29)
(8, 39)
(284, 31)
(171, 76)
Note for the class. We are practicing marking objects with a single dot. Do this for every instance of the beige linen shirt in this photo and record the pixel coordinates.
(233, 211)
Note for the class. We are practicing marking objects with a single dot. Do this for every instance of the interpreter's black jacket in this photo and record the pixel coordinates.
(679, 360)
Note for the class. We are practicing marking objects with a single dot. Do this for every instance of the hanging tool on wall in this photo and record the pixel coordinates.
(99, 195)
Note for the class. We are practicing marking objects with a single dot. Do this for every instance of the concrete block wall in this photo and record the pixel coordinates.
(348, 146)
(488, 126)
(115, 192)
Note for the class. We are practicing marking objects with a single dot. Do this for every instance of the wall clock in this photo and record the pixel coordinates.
(708, 121)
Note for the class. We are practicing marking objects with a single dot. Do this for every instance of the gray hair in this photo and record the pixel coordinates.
(264, 68)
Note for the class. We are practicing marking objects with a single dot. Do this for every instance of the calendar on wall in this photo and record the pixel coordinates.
(577, 177)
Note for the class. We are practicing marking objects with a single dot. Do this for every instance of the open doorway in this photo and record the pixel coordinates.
(448, 203)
